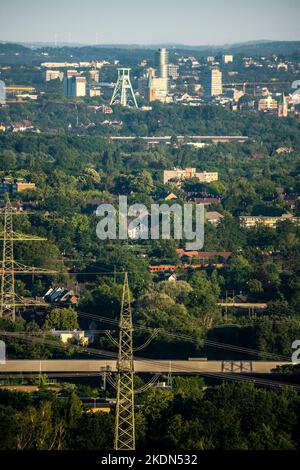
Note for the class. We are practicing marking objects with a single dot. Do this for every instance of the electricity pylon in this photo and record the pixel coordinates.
(125, 425)
(123, 92)
(8, 300)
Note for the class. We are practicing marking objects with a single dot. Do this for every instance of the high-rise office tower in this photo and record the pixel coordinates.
(162, 63)
(157, 86)
(213, 83)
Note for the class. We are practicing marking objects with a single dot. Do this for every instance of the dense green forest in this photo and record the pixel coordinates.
(226, 417)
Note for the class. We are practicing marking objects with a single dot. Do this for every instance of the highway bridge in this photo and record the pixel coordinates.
(86, 366)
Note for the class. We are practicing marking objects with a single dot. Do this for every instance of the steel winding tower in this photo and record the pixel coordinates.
(123, 92)
(9, 266)
(125, 425)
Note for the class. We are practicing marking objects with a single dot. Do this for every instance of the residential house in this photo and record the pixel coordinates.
(61, 296)
(249, 221)
(82, 337)
(214, 217)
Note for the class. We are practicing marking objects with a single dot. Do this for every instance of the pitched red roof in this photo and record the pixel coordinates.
(204, 254)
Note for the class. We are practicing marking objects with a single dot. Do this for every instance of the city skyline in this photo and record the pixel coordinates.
(190, 23)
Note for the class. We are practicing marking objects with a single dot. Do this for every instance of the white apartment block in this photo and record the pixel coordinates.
(187, 173)
(54, 75)
(227, 58)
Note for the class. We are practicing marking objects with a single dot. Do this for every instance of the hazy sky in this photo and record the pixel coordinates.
(149, 21)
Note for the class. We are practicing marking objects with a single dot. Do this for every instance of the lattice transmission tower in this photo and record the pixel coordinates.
(123, 92)
(9, 301)
(125, 425)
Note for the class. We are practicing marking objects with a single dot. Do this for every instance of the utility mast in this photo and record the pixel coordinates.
(125, 425)
(123, 92)
(8, 296)
(8, 299)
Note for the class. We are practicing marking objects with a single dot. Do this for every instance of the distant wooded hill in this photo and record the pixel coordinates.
(132, 54)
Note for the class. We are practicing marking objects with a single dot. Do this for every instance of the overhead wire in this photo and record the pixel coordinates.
(186, 337)
(178, 368)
